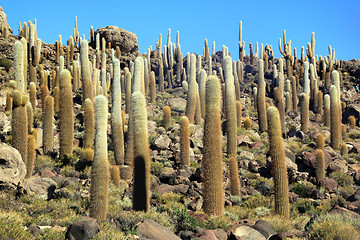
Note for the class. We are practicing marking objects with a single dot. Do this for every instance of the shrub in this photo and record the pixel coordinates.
(258, 200)
(342, 178)
(5, 63)
(304, 189)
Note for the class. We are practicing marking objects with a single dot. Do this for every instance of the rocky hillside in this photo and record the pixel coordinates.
(104, 142)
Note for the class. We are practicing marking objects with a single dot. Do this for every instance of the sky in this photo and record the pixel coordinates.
(335, 23)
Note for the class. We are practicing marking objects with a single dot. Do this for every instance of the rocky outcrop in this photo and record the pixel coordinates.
(3, 20)
(127, 41)
(12, 167)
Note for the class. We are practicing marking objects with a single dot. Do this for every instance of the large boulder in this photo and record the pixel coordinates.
(12, 167)
(82, 230)
(149, 229)
(127, 41)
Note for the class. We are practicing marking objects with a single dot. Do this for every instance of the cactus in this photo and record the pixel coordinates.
(117, 133)
(241, 44)
(352, 122)
(31, 155)
(76, 80)
(127, 91)
(56, 99)
(66, 119)
(19, 124)
(279, 103)
(234, 176)
(36, 52)
(230, 107)
(191, 96)
(335, 125)
(294, 92)
(115, 175)
(8, 101)
(326, 117)
(44, 91)
(19, 66)
(211, 165)
(166, 117)
(320, 164)
(238, 114)
(320, 141)
(161, 75)
(197, 116)
(30, 119)
(141, 198)
(85, 72)
(184, 141)
(278, 165)
(47, 121)
(304, 98)
(152, 87)
(202, 84)
(247, 123)
(137, 83)
(320, 103)
(100, 164)
(344, 150)
(261, 98)
(287, 55)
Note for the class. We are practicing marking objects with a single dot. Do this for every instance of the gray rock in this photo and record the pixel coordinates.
(264, 228)
(82, 230)
(151, 230)
(246, 233)
(12, 167)
(127, 41)
(5, 124)
(3, 20)
(166, 188)
(338, 165)
(42, 186)
(177, 104)
(162, 142)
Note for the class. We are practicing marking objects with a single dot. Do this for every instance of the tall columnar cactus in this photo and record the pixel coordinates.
(306, 79)
(238, 114)
(127, 91)
(152, 87)
(211, 165)
(100, 165)
(44, 91)
(326, 117)
(137, 83)
(47, 122)
(31, 154)
(197, 117)
(184, 141)
(89, 124)
(320, 164)
(279, 103)
(287, 55)
(141, 198)
(117, 133)
(191, 96)
(234, 176)
(241, 44)
(304, 99)
(230, 107)
(32, 94)
(30, 118)
(166, 117)
(66, 119)
(202, 84)
(352, 122)
(261, 98)
(56, 99)
(115, 175)
(85, 71)
(161, 74)
(19, 66)
(335, 125)
(19, 124)
(25, 57)
(294, 92)
(320, 141)
(278, 164)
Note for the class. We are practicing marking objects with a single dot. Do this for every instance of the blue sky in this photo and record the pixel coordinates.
(335, 23)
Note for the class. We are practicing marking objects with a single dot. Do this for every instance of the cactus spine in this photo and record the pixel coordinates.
(211, 165)
(116, 116)
(100, 165)
(141, 199)
(184, 141)
(335, 125)
(278, 164)
(66, 120)
(47, 121)
(261, 98)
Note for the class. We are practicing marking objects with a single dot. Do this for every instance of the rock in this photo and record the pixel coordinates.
(246, 155)
(3, 20)
(257, 145)
(177, 104)
(34, 230)
(82, 230)
(264, 228)
(178, 189)
(290, 165)
(162, 142)
(5, 124)
(149, 229)
(47, 172)
(220, 234)
(152, 127)
(160, 130)
(42, 186)
(352, 110)
(244, 140)
(338, 165)
(329, 184)
(355, 196)
(340, 210)
(127, 41)
(208, 235)
(245, 233)
(196, 204)
(12, 167)
(309, 159)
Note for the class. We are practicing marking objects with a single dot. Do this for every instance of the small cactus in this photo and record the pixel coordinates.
(320, 141)
(31, 141)
(320, 164)
(184, 141)
(326, 116)
(89, 124)
(234, 176)
(352, 122)
(344, 150)
(115, 175)
(247, 123)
